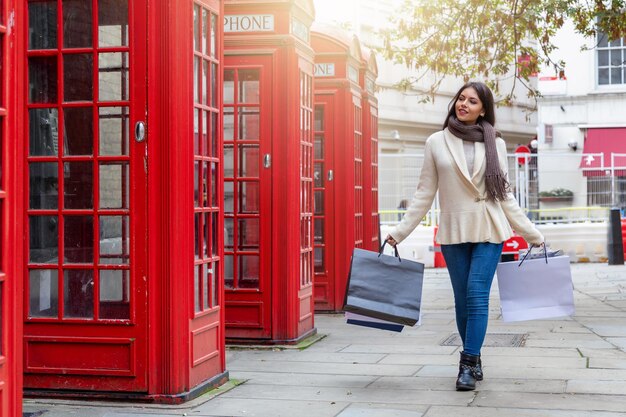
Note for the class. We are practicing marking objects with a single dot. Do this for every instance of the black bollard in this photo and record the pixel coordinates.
(615, 245)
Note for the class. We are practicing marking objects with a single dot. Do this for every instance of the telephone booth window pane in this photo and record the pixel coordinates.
(214, 85)
(319, 230)
(113, 23)
(43, 288)
(318, 174)
(229, 272)
(319, 146)
(229, 124)
(214, 236)
(114, 240)
(196, 77)
(249, 197)
(78, 293)
(249, 123)
(207, 235)
(214, 138)
(205, 81)
(229, 161)
(196, 132)
(77, 87)
(114, 294)
(78, 239)
(319, 202)
(44, 245)
(44, 185)
(196, 183)
(248, 234)
(78, 185)
(43, 131)
(197, 271)
(78, 128)
(196, 28)
(213, 35)
(114, 131)
(206, 276)
(248, 271)
(229, 87)
(205, 133)
(205, 31)
(249, 161)
(42, 24)
(249, 86)
(42, 79)
(214, 285)
(197, 235)
(114, 187)
(113, 76)
(229, 232)
(229, 197)
(77, 24)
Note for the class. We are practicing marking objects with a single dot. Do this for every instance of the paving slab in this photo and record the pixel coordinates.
(438, 411)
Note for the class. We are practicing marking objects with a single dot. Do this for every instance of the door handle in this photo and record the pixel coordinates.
(267, 160)
(140, 132)
(331, 175)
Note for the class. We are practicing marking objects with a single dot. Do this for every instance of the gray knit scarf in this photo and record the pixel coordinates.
(483, 131)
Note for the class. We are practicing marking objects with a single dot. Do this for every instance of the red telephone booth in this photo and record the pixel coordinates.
(371, 224)
(268, 170)
(10, 236)
(339, 159)
(122, 162)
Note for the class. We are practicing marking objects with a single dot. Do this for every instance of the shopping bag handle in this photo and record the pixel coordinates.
(395, 248)
(545, 252)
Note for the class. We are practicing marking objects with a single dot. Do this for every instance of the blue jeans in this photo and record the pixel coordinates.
(472, 267)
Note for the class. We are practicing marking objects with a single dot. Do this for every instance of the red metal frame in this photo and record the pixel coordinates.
(338, 59)
(10, 254)
(289, 58)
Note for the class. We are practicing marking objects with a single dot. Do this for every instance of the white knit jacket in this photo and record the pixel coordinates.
(466, 214)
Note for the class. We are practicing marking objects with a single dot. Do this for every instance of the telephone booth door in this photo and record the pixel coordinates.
(85, 181)
(324, 199)
(247, 196)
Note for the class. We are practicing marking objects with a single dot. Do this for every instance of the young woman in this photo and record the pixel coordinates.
(466, 162)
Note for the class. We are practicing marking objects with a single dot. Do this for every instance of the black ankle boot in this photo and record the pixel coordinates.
(466, 381)
(478, 370)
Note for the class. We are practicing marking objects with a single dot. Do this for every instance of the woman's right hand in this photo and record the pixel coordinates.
(391, 240)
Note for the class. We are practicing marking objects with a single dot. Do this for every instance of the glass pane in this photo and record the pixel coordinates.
(205, 133)
(42, 24)
(43, 185)
(114, 131)
(196, 28)
(114, 240)
(319, 202)
(248, 271)
(229, 86)
(77, 24)
(603, 58)
(78, 293)
(196, 184)
(603, 76)
(78, 77)
(248, 234)
(319, 231)
(229, 234)
(319, 260)
(113, 22)
(44, 245)
(196, 131)
(214, 69)
(229, 124)
(214, 138)
(214, 202)
(319, 146)
(616, 57)
(43, 125)
(215, 301)
(249, 123)
(229, 161)
(78, 130)
(249, 86)
(229, 197)
(78, 185)
(113, 76)
(197, 271)
(249, 197)
(78, 239)
(205, 184)
(196, 78)
(318, 174)
(207, 235)
(197, 235)
(213, 35)
(248, 160)
(215, 242)
(114, 294)
(205, 80)
(228, 272)
(602, 40)
(114, 186)
(205, 285)
(205, 31)
(43, 290)
(616, 75)
(42, 79)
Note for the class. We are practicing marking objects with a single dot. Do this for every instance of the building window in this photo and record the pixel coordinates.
(611, 60)
(549, 134)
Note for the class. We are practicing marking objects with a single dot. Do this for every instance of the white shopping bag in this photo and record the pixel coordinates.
(536, 289)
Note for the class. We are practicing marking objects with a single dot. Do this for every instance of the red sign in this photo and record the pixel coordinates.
(514, 244)
(523, 158)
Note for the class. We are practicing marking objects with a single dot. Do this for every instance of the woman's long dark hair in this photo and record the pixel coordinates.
(486, 98)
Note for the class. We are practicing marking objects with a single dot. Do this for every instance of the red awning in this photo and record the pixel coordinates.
(600, 144)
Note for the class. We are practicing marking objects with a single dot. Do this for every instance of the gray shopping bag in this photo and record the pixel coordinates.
(384, 287)
(539, 288)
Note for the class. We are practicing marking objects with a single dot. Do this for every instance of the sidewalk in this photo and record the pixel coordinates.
(565, 368)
